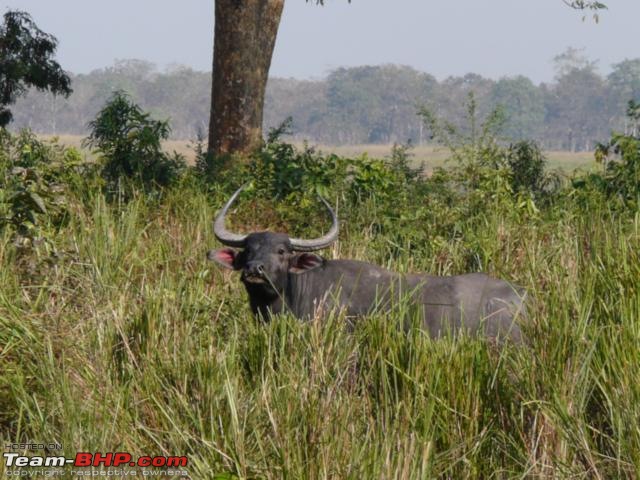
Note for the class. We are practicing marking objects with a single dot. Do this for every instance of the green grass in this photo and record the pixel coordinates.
(132, 342)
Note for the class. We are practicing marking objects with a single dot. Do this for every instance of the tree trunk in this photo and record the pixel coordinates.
(244, 38)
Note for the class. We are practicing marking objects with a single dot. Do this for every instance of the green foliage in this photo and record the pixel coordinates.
(26, 61)
(523, 105)
(203, 165)
(363, 104)
(486, 174)
(180, 358)
(621, 160)
(129, 142)
(402, 163)
(187, 369)
(36, 180)
(483, 162)
(527, 164)
(473, 143)
(374, 104)
(282, 171)
(577, 107)
(586, 4)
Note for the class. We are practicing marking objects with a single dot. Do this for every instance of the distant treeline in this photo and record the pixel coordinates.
(370, 104)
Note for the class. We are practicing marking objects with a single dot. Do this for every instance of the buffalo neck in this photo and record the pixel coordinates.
(264, 302)
(304, 291)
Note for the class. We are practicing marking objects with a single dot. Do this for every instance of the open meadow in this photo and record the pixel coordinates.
(429, 156)
(116, 334)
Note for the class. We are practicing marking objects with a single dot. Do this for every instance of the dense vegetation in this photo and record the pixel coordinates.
(364, 104)
(115, 334)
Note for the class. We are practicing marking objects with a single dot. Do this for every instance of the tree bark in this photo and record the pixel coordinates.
(244, 39)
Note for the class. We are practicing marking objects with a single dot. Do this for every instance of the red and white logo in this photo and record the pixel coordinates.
(97, 464)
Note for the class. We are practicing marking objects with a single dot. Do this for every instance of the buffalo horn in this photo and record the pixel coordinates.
(226, 237)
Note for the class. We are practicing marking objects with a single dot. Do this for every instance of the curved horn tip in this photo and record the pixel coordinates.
(220, 231)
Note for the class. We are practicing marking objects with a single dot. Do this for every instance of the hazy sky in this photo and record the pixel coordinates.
(490, 37)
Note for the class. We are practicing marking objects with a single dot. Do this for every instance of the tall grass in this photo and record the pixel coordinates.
(132, 342)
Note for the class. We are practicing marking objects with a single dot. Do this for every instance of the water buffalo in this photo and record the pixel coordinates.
(281, 273)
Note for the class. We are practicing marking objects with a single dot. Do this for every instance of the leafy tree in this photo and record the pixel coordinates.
(302, 100)
(576, 109)
(26, 60)
(382, 100)
(36, 181)
(573, 59)
(473, 143)
(624, 86)
(130, 144)
(620, 157)
(323, 111)
(182, 95)
(576, 104)
(523, 106)
(451, 99)
(585, 4)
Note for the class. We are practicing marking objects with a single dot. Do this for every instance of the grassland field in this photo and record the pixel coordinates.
(116, 334)
(430, 156)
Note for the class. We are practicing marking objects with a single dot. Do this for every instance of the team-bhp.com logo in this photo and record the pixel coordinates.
(14, 462)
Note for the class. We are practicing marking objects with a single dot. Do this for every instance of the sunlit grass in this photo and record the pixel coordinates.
(132, 342)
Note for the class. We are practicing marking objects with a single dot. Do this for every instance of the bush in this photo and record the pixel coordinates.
(621, 160)
(401, 162)
(527, 163)
(35, 183)
(129, 142)
(475, 143)
(619, 182)
(484, 163)
(281, 170)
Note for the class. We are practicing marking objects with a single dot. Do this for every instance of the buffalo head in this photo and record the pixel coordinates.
(265, 259)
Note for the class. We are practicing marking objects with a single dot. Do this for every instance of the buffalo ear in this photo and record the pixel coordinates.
(224, 256)
(301, 262)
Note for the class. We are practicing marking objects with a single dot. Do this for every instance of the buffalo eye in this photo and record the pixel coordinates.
(281, 251)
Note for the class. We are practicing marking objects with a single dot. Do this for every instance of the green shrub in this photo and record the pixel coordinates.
(527, 164)
(621, 160)
(619, 182)
(485, 164)
(476, 142)
(129, 142)
(401, 162)
(282, 171)
(36, 179)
